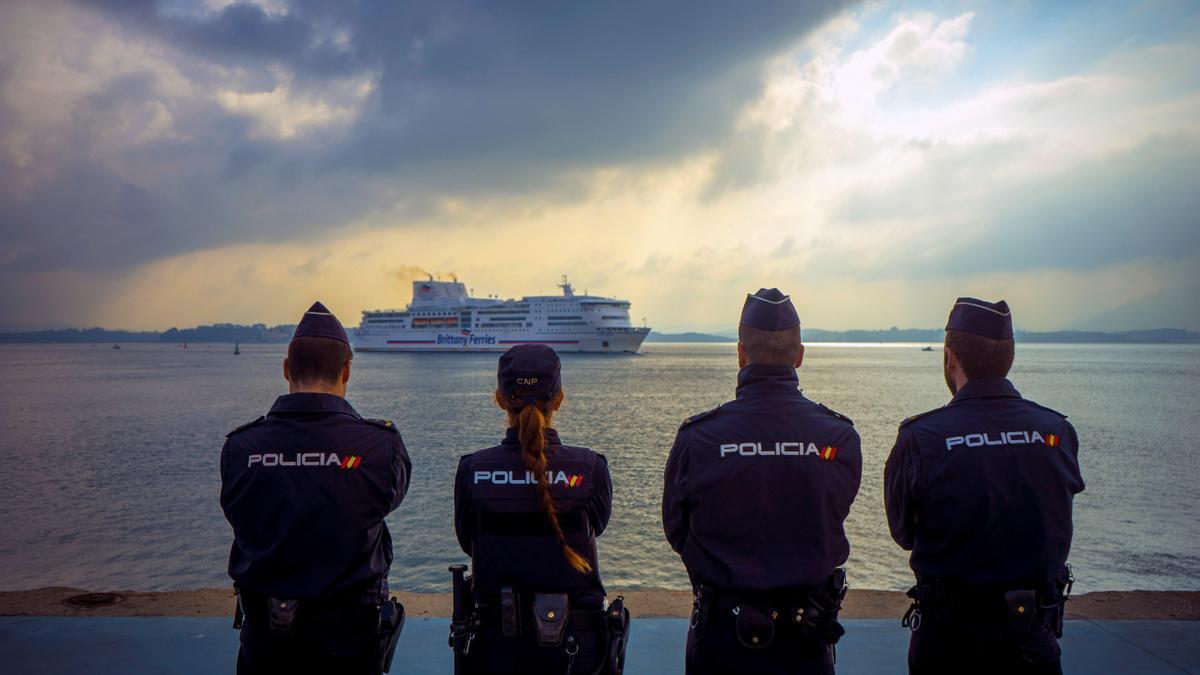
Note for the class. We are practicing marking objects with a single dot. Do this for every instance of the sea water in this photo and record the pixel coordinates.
(109, 458)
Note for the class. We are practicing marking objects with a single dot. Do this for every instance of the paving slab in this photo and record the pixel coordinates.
(186, 645)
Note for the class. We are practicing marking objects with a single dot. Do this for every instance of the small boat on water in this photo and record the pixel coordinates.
(116, 346)
(926, 349)
(236, 348)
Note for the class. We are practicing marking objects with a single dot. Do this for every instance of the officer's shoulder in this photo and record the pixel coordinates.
(382, 424)
(833, 413)
(923, 415)
(245, 426)
(707, 414)
(1042, 407)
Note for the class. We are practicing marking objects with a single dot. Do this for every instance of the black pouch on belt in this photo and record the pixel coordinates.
(1033, 639)
(755, 627)
(550, 617)
(281, 616)
(510, 613)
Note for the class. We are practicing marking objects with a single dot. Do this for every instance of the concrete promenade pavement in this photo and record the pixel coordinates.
(187, 645)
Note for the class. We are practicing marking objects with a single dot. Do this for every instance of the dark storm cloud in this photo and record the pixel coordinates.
(486, 99)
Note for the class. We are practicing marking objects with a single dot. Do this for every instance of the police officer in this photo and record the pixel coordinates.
(528, 512)
(306, 489)
(980, 490)
(755, 495)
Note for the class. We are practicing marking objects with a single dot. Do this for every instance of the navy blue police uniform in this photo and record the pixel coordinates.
(306, 489)
(514, 550)
(755, 495)
(981, 492)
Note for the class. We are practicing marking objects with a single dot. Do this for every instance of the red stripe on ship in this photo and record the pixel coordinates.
(538, 342)
(410, 342)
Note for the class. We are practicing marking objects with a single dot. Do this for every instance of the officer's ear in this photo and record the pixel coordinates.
(742, 360)
(799, 357)
(949, 359)
(346, 372)
(287, 370)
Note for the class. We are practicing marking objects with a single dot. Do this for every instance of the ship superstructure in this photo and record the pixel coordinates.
(442, 317)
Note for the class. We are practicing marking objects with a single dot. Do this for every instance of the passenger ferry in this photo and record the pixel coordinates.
(442, 317)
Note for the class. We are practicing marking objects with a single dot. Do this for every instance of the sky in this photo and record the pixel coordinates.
(170, 163)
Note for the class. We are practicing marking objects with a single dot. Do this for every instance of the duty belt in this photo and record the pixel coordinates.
(813, 611)
(951, 600)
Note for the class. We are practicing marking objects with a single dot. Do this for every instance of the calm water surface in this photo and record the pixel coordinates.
(109, 472)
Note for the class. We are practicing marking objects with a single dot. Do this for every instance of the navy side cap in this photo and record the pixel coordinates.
(529, 372)
(320, 322)
(980, 317)
(770, 310)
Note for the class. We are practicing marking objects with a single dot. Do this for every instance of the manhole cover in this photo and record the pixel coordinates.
(88, 600)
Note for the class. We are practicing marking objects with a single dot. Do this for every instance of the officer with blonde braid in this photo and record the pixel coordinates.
(528, 512)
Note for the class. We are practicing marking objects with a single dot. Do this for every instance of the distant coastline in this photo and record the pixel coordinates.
(936, 335)
(261, 333)
(221, 332)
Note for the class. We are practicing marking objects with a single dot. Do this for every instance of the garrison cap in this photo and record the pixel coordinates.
(320, 322)
(529, 372)
(769, 309)
(980, 317)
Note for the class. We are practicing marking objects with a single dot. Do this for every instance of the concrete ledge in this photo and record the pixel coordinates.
(182, 646)
(860, 604)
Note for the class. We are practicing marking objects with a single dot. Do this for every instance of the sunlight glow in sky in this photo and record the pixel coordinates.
(216, 161)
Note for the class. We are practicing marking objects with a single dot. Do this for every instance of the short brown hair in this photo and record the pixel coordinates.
(980, 356)
(777, 348)
(317, 359)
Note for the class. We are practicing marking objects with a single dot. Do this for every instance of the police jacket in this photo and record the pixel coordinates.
(306, 489)
(756, 490)
(981, 489)
(500, 524)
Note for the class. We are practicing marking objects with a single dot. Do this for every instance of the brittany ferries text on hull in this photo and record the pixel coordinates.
(443, 317)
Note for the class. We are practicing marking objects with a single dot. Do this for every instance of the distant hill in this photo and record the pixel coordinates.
(936, 335)
(687, 337)
(221, 332)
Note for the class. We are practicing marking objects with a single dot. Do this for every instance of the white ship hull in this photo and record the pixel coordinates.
(411, 341)
(442, 317)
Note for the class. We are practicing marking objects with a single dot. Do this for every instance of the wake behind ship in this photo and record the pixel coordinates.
(442, 317)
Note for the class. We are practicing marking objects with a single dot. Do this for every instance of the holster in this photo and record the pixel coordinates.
(618, 635)
(1056, 607)
(281, 616)
(820, 613)
(391, 623)
(550, 612)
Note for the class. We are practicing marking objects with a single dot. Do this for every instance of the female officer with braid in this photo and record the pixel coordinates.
(528, 512)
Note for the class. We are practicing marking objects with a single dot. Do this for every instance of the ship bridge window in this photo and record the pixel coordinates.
(613, 317)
